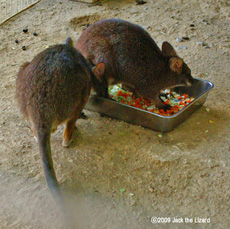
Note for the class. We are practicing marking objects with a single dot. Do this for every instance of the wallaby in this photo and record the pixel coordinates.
(125, 53)
(51, 89)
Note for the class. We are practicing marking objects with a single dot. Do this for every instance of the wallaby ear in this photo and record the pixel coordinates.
(69, 41)
(168, 50)
(176, 64)
(99, 71)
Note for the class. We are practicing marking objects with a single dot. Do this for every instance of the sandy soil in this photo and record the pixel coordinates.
(118, 175)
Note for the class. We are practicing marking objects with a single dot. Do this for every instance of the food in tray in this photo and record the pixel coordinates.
(175, 100)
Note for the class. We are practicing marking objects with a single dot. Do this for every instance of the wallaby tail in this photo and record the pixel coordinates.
(69, 42)
(47, 164)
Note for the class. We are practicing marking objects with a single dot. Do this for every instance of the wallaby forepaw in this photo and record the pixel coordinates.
(164, 106)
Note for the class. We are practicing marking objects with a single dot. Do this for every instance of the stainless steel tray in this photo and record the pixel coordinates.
(199, 91)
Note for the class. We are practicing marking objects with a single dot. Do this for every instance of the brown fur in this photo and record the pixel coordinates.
(53, 88)
(132, 57)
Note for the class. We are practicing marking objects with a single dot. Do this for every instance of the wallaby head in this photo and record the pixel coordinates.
(179, 72)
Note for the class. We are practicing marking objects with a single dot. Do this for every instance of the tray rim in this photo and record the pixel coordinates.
(161, 116)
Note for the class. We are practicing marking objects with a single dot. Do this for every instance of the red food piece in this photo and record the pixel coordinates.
(185, 96)
(166, 102)
(139, 102)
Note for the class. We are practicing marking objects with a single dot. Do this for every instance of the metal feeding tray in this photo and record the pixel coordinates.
(199, 90)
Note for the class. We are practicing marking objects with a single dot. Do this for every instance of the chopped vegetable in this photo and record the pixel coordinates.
(176, 101)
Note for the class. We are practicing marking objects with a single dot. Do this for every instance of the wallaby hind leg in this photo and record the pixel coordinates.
(69, 130)
(70, 124)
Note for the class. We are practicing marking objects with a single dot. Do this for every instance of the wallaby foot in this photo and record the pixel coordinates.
(68, 133)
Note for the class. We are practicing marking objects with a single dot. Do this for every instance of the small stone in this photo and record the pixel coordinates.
(186, 38)
(25, 30)
(192, 25)
(16, 41)
(145, 27)
(200, 43)
(140, 2)
(35, 34)
(151, 189)
(205, 22)
(24, 47)
(172, 16)
(179, 39)
(203, 44)
(182, 47)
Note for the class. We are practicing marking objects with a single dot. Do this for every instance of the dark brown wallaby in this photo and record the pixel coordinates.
(125, 53)
(51, 89)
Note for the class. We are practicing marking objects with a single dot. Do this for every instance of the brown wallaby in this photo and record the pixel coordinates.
(51, 89)
(125, 53)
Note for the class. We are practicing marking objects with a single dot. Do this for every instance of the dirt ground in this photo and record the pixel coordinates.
(117, 175)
